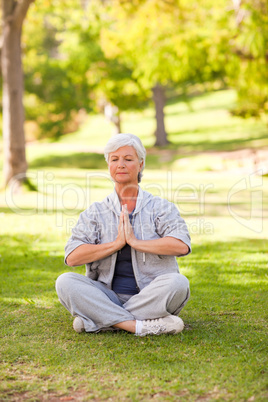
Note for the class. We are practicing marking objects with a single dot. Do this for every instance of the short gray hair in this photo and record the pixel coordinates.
(122, 140)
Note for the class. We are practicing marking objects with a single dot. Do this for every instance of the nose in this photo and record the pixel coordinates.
(121, 163)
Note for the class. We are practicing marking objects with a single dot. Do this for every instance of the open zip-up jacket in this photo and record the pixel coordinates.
(153, 218)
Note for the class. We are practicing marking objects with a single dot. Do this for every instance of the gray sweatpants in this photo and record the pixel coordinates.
(100, 307)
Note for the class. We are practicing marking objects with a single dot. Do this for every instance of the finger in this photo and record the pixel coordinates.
(125, 210)
(126, 222)
(127, 227)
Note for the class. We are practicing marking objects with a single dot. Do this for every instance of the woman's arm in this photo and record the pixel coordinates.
(164, 246)
(87, 253)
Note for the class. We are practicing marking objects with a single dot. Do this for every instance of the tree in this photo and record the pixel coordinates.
(137, 36)
(159, 102)
(164, 43)
(114, 88)
(66, 70)
(250, 56)
(60, 45)
(13, 15)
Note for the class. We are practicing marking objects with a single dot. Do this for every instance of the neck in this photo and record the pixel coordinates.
(128, 195)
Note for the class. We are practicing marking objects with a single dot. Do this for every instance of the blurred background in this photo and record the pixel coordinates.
(188, 77)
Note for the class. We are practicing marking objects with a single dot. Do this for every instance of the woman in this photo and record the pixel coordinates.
(128, 243)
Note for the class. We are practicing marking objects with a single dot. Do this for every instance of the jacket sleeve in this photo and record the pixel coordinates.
(168, 222)
(85, 232)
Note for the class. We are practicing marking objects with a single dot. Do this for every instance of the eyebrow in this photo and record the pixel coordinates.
(124, 155)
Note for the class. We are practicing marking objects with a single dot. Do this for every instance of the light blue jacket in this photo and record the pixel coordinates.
(153, 218)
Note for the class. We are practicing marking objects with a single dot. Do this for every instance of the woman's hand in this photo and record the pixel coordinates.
(121, 239)
(129, 234)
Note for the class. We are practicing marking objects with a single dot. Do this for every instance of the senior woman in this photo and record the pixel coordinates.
(129, 243)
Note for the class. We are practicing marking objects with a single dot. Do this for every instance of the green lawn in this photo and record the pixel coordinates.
(222, 353)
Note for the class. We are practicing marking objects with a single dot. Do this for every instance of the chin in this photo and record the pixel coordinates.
(125, 180)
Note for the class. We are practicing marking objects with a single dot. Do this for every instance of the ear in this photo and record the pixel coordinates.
(141, 165)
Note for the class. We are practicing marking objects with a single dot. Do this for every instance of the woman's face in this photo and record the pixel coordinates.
(124, 165)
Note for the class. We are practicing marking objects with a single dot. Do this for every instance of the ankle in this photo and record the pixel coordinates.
(129, 326)
(138, 327)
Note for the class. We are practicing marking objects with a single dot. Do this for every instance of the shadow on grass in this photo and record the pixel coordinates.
(92, 161)
(76, 160)
(226, 266)
(155, 157)
(23, 211)
(29, 266)
(206, 145)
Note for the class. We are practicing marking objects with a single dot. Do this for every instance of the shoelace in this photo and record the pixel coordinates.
(153, 327)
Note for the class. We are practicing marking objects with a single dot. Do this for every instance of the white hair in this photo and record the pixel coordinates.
(122, 140)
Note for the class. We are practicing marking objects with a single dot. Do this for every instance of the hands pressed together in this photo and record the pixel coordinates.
(164, 246)
(87, 253)
(125, 230)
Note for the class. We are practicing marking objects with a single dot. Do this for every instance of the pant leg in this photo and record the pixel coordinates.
(98, 306)
(165, 295)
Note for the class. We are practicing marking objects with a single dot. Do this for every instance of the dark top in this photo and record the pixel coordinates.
(124, 281)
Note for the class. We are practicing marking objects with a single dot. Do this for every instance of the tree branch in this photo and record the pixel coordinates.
(21, 11)
(247, 56)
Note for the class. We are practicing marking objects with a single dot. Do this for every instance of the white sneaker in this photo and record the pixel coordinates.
(170, 324)
(78, 325)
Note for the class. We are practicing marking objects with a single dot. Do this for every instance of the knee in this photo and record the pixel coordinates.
(64, 282)
(182, 282)
(179, 292)
(176, 282)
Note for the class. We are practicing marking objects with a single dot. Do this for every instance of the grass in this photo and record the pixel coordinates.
(222, 353)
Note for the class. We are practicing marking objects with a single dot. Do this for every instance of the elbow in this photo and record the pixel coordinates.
(69, 261)
(184, 250)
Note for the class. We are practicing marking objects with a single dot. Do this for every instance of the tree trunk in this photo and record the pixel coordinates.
(117, 124)
(112, 113)
(15, 165)
(159, 101)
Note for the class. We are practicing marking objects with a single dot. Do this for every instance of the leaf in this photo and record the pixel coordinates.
(29, 301)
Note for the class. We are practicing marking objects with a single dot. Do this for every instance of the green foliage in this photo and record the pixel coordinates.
(66, 70)
(112, 78)
(80, 55)
(250, 73)
(59, 51)
(165, 42)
